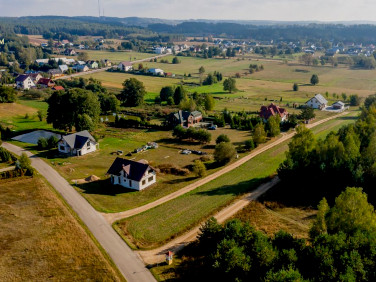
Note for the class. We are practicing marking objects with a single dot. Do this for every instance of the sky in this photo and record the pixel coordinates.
(281, 10)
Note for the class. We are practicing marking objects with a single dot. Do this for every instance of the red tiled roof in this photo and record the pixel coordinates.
(57, 88)
(45, 81)
(272, 110)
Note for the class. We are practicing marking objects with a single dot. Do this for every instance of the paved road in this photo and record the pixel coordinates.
(157, 255)
(128, 262)
(107, 68)
(112, 217)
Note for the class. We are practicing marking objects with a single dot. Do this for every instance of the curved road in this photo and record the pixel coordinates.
(128, 262)
(112, 217)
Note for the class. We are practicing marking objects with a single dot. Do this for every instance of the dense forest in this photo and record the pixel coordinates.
(160, 30)
(311, 32)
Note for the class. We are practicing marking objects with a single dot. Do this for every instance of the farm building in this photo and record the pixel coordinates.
(154, 71)
(338, 105)
(268, 111)
(125, 66)
(184, 118)
(131, 174)
(317, 102)
(79, 144)
(46, 82)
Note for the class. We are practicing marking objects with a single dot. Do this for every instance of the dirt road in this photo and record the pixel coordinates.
(157, 255)
(112, 217)
(128, 262)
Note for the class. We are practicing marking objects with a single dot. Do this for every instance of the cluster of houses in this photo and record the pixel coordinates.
(128, 66)
(351, 49)
(317, 102)
(34, 80)
(136, 175)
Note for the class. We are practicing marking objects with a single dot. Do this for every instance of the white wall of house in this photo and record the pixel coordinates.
(89, 147)
(314, 103)
(26, 84)
(146, 181)
(63, 147)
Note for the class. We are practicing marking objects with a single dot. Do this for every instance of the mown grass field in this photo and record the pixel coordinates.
(156, 226)
(274, 83)
(117, 56)
(14, 115)
(40, 239)
(108, 198)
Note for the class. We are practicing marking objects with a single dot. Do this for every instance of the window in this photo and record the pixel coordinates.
(151, 179)
(130, 183)
(62, 148)
(143, 182)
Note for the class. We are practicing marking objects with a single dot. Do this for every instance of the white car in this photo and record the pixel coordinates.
(186, 152)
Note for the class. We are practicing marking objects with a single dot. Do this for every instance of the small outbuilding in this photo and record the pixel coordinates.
(338, 105)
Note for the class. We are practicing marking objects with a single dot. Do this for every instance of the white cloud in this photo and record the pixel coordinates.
(328, 10)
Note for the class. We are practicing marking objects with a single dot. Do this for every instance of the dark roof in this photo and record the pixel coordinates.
(78, 140)
(134, 170)
(182, 116)
(22, 77)
(45, 81)
(267, 111)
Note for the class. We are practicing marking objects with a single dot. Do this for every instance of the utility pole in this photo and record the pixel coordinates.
(99, 9)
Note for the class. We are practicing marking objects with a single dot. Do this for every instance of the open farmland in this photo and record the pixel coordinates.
(41, 240)
(117, 56)
(156, 226)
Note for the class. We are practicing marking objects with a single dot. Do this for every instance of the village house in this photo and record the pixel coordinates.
(131, 174)
(154, 71)
(55, 73)
(184, 118)
(272, 110)
(63, 68)
(58, 88)
(78, 144)
(107, 63)
(70, 52)
(81, 68)
(35, 77)
(125, 66)
(317, 102)
(24, 82)
(338, 105)
(92, 64)
(41, 62)
(46, 82)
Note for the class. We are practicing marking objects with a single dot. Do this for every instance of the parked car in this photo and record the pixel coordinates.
(186, 152)
(213, 127)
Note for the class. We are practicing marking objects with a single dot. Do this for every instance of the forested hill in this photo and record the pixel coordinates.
(154, 29)
(345, 33)
(80, 26)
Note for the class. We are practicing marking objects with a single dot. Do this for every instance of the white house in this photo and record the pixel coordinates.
(63, 68)
(78, 144)
(156, 71)
(125, 66)
(317, 102)
(24, 81)
(160, 50)
(131, 174)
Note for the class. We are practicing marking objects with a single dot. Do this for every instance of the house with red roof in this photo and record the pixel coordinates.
(58, 88)
(46, 82)
(267, 111)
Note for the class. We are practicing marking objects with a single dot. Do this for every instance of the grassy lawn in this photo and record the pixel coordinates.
(108, 198)
(41, 240)
(156, 226)
(117, 56)
(13, 115)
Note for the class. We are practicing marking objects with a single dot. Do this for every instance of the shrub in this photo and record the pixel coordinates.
(224, 152)
(354, 100)
(42, 143)
(259, 134)
(222, 138)
(249, 145)
(295, 87)
(173, 169)
(199, 168)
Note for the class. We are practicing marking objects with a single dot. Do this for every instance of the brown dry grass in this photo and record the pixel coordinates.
(271, 218)
(41, 240)
(12, 109)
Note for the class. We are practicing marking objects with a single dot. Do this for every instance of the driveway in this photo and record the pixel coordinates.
(128, 262)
